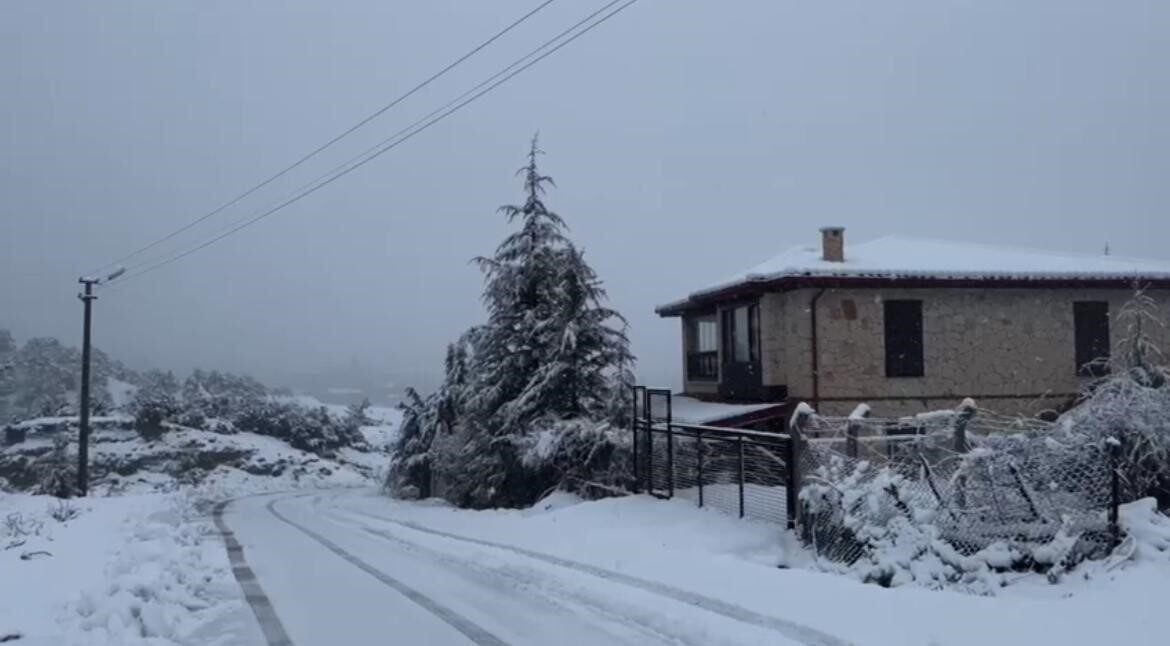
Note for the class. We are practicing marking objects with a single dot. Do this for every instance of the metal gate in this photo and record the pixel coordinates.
(653, 452)
(737, 470)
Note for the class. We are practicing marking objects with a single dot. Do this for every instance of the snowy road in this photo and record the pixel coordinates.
(337, 572)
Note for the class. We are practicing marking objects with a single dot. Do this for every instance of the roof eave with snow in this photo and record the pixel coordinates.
(756, 285)
(919, 262)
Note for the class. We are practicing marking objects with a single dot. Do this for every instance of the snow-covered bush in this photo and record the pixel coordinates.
(58, 471)
(308, 429)
(592, 459)
(63, 511)
(1025, 505)
(1130, 408)
(410, 473)
(216, 394)
(355, 414)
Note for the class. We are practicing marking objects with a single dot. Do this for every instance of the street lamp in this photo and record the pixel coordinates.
(87, 297)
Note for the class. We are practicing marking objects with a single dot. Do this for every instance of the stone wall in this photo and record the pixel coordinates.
(1011, 349)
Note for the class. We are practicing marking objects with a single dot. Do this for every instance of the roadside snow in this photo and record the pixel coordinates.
(136, 569)
(750, 564)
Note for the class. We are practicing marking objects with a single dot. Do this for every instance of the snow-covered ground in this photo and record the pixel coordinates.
(135, 569)
(354, 566)
(141, 561)
(636, 570)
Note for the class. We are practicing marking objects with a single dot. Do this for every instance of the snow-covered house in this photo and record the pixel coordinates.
(909, 324)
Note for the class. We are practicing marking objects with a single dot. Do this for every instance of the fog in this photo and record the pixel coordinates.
(689, 139)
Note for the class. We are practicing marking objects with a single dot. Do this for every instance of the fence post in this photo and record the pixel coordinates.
(966, 413)
(795, 440)
(854, 427)
(648, 423)
(741, 475)
(699, 450)
(634, 430)
(669, 461)
(1114, 452)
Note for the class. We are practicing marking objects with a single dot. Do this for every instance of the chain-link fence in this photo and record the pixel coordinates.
(966, 482)
(973, 488)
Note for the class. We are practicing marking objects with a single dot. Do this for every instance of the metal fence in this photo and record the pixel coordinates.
(973, 477)
(737, 471)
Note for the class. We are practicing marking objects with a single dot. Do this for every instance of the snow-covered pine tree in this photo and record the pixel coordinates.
(47, 378)
(521, 297)
(584, 350)
(409, 475)
(528, 396)
(7, 374)
(621, 399)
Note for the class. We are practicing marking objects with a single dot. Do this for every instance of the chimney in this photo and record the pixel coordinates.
(833, 244)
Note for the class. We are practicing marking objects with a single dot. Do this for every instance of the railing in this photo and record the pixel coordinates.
(703, 366)
(737, 471)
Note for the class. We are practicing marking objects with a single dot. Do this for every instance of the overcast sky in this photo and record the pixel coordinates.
(689, 139)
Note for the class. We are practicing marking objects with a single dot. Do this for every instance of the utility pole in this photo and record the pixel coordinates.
(87, 298)
(83, 440)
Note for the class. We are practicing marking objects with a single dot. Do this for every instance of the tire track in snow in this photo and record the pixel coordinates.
(270, 625)
(660, 629)
(790, 629)
(468, 628)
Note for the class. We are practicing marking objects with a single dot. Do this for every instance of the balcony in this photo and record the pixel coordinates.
(703, 366)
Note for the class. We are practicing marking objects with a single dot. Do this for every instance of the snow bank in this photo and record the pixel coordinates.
(147, 568)
(746, 563)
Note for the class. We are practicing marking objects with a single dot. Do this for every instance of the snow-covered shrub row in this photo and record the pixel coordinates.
(960, 525)
(224, 403)
(530, 395)
(312, 429)
(41, 379)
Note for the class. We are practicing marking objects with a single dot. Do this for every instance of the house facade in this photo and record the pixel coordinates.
(909, 325)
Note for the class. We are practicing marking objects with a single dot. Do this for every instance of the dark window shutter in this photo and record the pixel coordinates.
(1091, 330)
(903, 330)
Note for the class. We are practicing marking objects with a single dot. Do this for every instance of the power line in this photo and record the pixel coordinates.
(322, 147)
(439, 110)
(389, 146)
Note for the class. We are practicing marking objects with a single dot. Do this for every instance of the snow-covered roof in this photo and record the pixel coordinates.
(688, 410)
(902, 257)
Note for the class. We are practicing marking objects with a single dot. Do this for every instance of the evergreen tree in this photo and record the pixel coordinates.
(621, 397)
(47, 378)
(7, 374)
(527, 397)
(520, 295)
(576, 377)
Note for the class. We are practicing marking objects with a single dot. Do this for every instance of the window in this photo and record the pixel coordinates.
(1091, 329)
(742, 333)
(702, 348)
(903, 322)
